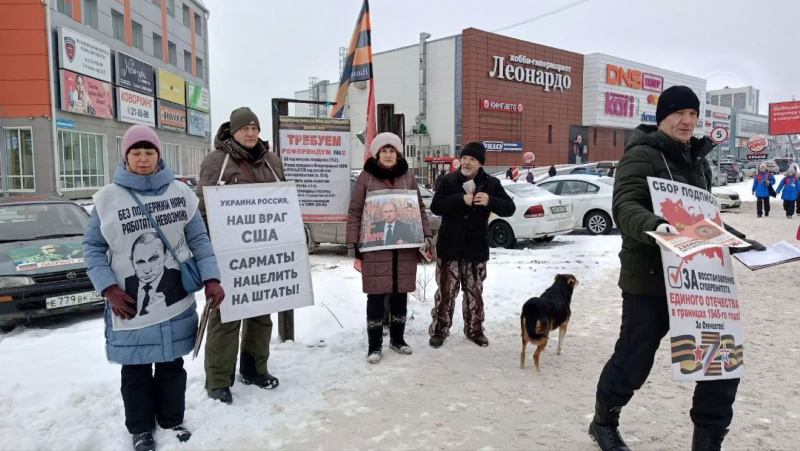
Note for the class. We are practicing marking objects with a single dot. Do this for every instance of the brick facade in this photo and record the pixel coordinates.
(543, 126)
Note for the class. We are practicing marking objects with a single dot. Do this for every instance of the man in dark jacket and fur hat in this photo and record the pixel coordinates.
(463, 243)
(667, 151)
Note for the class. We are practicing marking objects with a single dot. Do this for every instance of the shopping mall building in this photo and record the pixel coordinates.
(515, 96)
(74, 76)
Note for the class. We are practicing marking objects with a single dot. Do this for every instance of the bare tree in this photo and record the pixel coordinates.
(425, 282)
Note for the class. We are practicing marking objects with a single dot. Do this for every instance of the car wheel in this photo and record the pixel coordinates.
(597, 223)
(501, 235)
(310, 244)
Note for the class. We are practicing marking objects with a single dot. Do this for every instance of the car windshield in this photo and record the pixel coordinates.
(525, 190)
(23, 222)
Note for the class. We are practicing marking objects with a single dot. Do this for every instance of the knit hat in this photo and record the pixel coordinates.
(139, 133)
(386, 139)
(242, 117)
(475, 150)
(674, 99)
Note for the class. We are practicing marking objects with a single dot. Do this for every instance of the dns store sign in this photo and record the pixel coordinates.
(636, 79)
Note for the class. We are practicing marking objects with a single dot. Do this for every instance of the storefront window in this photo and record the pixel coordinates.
(172, 155)
(19, 159)
(82, 160)
(192, 159)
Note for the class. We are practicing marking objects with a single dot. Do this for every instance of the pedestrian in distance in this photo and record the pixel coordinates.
(150, 320)
(529, 177)
(788, 190)
(667, 151)
(762, 189)
(552, 172)
(239, 157)
(463, 244)
(385, 273)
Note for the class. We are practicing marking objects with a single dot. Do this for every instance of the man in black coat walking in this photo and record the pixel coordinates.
(463, 244)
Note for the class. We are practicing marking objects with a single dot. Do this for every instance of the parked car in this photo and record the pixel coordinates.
(42, 272)
(784, 164)
(772, 166)
(726, 198)
(591, 170)
(189, 181)
(718, 179)
(591, 199)
(731, 170)
(540, 216)
(750, 168)
(336, 232)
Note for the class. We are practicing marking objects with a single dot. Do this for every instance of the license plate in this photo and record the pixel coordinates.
(559, 209)
(72, 299)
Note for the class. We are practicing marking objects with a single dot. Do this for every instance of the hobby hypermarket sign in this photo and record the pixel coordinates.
(543, 73)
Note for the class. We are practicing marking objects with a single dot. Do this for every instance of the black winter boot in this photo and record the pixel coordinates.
(396, 330)
(604, 428)
(708, 439)
(375, 340)
(144, 442)
(250, 376)
(221, 394)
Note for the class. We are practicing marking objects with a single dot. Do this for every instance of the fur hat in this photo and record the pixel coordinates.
(139, 133)
(475, 150)
(386, 139)
(676, 98)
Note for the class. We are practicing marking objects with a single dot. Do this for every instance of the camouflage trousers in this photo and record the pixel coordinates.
(452, 275)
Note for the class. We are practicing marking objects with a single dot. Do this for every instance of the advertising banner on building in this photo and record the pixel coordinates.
(705, 321)
(496, 105)
(84, 95)
(316, 155)
(502, 146)
(624, 94)
(171, 87)
(199, 124)
(135, 74)
(258, 238)
(84, 55)
(784, 118)
(197, 97)
(136, 108)
(171, 116)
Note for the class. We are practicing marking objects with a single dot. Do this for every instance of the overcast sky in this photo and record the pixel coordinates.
(269, 48)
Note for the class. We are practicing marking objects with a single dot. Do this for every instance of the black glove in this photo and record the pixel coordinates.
(753, 246)
(353, 252)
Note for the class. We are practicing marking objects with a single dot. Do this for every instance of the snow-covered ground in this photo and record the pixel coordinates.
(58, 392)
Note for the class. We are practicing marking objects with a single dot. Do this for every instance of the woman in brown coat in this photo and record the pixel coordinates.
(384, 273)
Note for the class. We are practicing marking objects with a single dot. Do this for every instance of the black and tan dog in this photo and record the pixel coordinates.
(547, 312)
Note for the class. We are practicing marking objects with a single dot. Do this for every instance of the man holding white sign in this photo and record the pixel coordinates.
(668, 151)
(240, 157)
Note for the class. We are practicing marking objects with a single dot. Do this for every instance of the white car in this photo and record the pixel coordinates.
(591, 199)
(726, 198)
(539, 216)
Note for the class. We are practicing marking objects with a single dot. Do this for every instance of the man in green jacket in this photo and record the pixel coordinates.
(240, 157)
(667, 151)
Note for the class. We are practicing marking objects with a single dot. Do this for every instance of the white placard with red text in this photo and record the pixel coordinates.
(705, 320)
